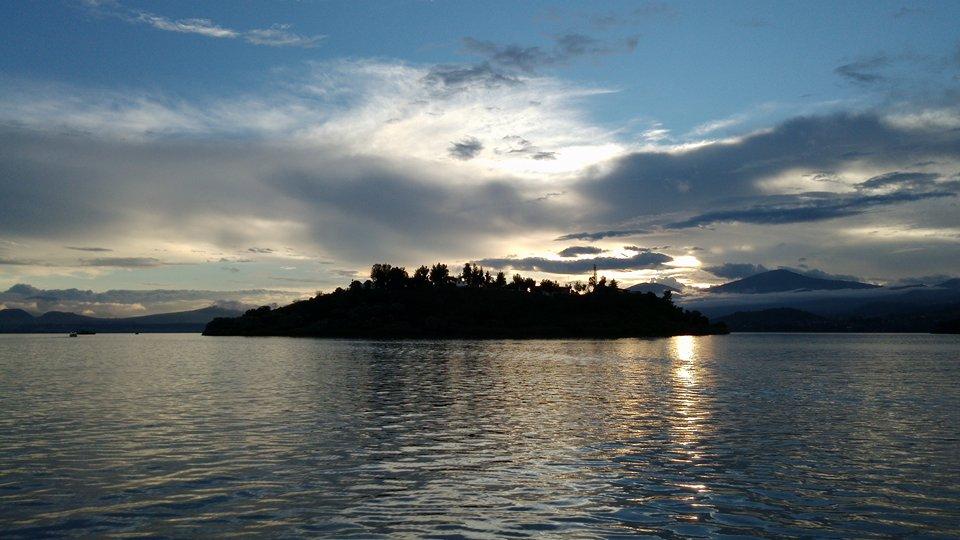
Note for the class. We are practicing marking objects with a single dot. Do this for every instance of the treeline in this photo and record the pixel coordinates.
(434, 303)
(385, 276)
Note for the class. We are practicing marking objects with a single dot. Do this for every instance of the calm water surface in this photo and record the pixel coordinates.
(751, 435)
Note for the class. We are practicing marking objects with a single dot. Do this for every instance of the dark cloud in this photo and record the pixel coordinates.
(736, 270)
(124, 262)
(203, 191)
(19, 262)
(82, 248)
(638, 248)
(643, 12)
(510, 56)
(516, 145)
(467, 148)
(260, 250)
(639, 261)
(600, 235)
(385, 211)
(566, 47)
(912, 180)
(820, 274)
(573, 251)
(455, 77)
(805, 208)
(864, 71)
(720, 181)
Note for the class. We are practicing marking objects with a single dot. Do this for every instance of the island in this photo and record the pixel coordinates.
(434, 304)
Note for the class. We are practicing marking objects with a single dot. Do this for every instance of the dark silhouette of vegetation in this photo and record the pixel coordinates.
(432, 303)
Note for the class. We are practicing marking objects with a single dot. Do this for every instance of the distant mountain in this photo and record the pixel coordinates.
(655, 288)
(784, 281)
(19, 321)
(950, 284)
(15, 317)
(66, 317)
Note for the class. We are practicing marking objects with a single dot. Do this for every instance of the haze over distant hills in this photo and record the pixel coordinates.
(786, 280)
(786, 301)
(20, 321)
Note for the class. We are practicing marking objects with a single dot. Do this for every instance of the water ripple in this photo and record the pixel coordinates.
(748, 435)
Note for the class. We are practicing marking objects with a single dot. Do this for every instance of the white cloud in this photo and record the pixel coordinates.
(276, 35)
(204, 27)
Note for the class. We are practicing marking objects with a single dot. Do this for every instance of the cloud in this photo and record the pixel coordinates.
(125, 302)
(639, 261)
(600, 235)
(805, 208)
(85, 248)
(729, 181)
(566, 47)
(820, 274)
(352, 164)
(456, 77)
(124, 262)
(19, 262)
(204, 27)
(898, 179)
(573, 251)
(277, 35)
(638, 248)
(467, 148)
(864, 71)
(260, 250)
(349, 162)
(645, 11)
(518, 146)
(736, 270)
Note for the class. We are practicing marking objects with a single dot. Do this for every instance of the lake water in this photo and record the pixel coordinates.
(758, 435)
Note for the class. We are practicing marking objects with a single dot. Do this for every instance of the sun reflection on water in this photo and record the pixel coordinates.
(690, 414)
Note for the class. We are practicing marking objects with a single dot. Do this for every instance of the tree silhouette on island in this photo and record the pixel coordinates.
(433, 303)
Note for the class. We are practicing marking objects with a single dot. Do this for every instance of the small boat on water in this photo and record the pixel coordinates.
(86, 332)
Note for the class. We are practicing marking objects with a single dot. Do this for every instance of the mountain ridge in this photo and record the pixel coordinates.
(785, 281)
(15, 320)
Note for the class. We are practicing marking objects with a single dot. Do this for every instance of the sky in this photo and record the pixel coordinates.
(157, 156)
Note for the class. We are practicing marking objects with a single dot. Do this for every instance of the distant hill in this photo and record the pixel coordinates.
(19, 321)
(784, 281)
(13, 317)
(655, 288)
